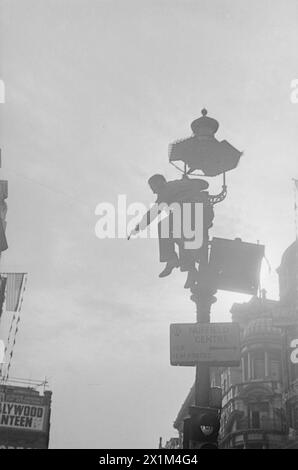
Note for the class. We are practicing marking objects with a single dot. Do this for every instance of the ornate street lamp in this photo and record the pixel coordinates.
(233, 265)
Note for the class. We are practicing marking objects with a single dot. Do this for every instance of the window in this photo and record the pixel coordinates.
(259, 369)
(275, 370)
(255, 419)
(258, 415)
(245, 367)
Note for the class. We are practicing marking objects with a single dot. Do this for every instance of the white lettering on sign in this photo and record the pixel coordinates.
(16, 415)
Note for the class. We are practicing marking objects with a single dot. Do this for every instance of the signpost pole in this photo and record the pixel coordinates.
(203, 305)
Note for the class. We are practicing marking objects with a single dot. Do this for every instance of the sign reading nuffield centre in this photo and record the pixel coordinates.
(217, 344)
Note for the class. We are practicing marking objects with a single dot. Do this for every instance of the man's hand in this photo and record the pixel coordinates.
(135, 231)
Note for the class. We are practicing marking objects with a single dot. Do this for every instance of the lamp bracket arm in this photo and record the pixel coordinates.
(216, 198)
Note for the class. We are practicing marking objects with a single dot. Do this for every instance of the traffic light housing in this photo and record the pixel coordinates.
(202, 428)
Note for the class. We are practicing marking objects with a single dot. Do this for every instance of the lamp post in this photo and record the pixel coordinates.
(203, 155)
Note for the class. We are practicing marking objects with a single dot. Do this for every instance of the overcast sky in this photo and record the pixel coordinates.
(95, 92)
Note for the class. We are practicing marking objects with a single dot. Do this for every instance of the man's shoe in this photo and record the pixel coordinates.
(169, 268)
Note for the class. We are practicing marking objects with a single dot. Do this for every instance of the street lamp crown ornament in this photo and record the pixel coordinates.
(204, 126)
(202, 151)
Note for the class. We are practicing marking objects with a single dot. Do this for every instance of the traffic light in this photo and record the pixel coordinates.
(203, 428)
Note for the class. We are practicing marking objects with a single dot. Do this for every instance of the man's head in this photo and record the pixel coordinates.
(156, 183)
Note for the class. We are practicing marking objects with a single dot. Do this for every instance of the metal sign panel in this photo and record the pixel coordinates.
(217, 344)
(235, 265)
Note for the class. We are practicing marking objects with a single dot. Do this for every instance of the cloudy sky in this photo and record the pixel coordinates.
(95, 92)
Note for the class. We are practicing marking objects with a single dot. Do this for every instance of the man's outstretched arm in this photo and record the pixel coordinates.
(146, 219)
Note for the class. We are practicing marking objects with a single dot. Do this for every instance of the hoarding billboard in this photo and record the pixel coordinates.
(24, 418)
(16, 415)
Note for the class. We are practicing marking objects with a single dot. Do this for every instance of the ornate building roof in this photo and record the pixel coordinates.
(261, 328)
(288, 274)
(288, 258)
